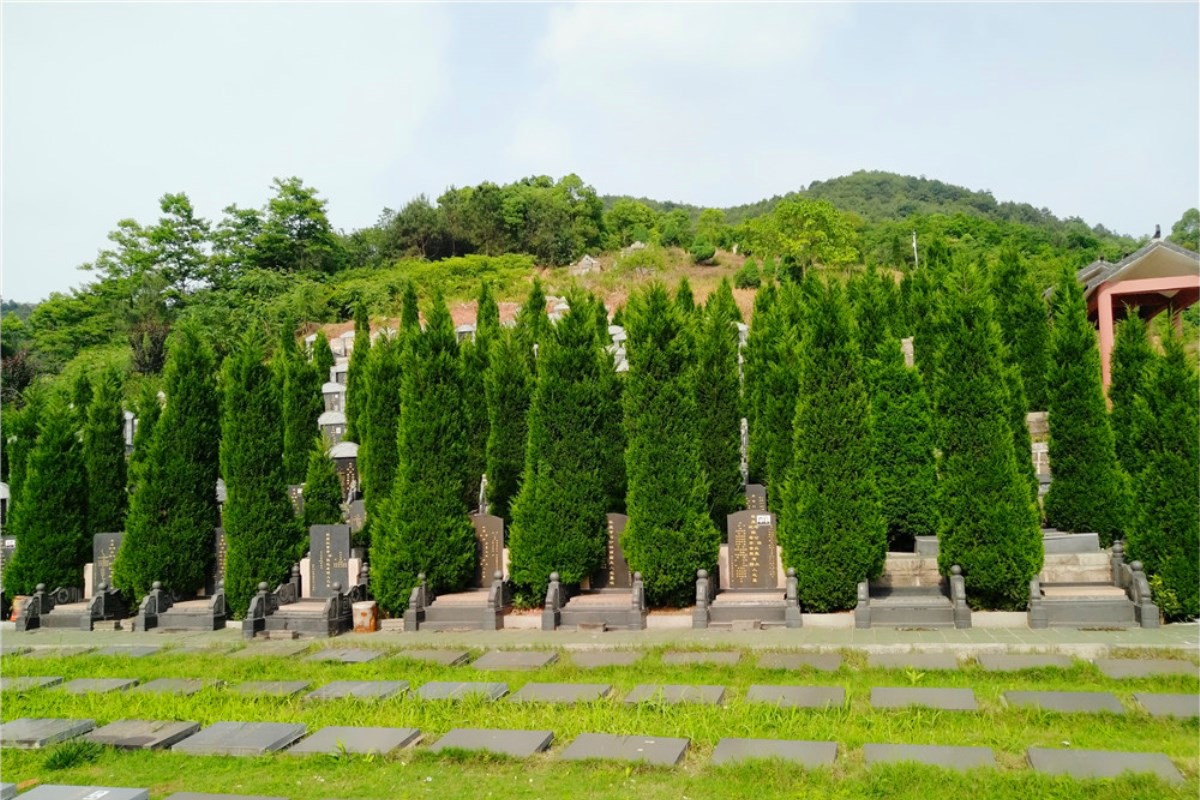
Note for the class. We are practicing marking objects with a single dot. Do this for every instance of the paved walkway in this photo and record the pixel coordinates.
(1181, 638)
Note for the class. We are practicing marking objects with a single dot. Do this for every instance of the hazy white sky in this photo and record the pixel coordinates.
(1089, 110)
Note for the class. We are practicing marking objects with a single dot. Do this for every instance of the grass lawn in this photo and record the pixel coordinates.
(419, 773)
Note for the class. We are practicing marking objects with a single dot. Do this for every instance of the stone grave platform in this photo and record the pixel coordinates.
(515, 659)
(356, 655)
(1184, 706)
(54, 791)
(605, 658)
(241, 738)
(561, 693)
(443, 658)
(284, 610)
(907, 696)
(271, 688)
(1067, 702)
(656, 750)
(98, 685)
(183, 687)
(606, 609)
(673, 693)
(453, 690)
(797, 696)
(941, 605)
(202, 614)
(137, 734)
(824, 662)
(1101, 763)
(1117, 597)
(32, 734)
(359, 690)
(808, 754)
(338, 739)
(518, 744)
(277, 649)
(947, 757)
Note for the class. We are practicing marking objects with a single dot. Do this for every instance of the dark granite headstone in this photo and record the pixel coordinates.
(296, 495)
(219, 557)
(104, 553)
(489, 547)
(756, 497)
(614, 572)
(347, 469)
(329, 554)
(356, 515)
(752, 552)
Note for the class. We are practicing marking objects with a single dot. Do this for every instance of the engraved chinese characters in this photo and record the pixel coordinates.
(752, 550)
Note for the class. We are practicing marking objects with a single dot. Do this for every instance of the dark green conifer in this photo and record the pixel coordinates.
(377, 425)
(1024, 326)
(20, 435)
(508, 387)
(300, 404)
(779, 393)
(147, 411)
(81, 398)
(474, 354)
(756, 371)
(104, 456)
(532, 322)
(719, 403)
(356, 387)
(685, 299)
(1132, 358)
(322, 488)
(322, 358)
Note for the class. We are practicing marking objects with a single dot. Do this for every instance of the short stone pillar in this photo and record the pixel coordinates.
(366, 616)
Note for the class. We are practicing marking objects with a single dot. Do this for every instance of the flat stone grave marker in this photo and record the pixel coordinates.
(362, 690)
(207, 796)
(128, 651)
(1144, 667)
(1100, 763)
(752, 550)
(912, 661)
(712, 659)
(810, 754)
(599, 659)
(1085, 702)
(341, 739)
(515, 659)
(905, 696)
(139, 734)
(797, 696)
(561, 693)
(519, 744)
(1169, 705)
(958, 758)
(54, 791)
(452, 690)
(348, 656)
(756, 497)
(184, 687)
(30, 734)
(329, 556)
(614, 572)
(489, 547)
(26, 683)
(271, 688)
(57, 652)
(98, 685)
(673, 693)
(281, 650)
(241, 738)
(444, 658)
(8, 791)
(658, 750)
(825, 662)
(200, 650)
(1009, 663)
(104, 553)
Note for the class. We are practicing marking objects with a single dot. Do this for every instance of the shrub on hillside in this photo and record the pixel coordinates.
(747, 277)
(702, 252)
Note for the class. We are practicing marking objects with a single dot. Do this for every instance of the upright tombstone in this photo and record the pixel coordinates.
(752, 551)
(334, 396)
(614, 573)
(296, 495)
(489, 547)
(104, 553)
(756, 497)
(356, 515)
(220, 550)
(329, 554)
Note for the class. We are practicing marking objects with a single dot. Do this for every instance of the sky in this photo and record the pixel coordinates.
(1090, 110)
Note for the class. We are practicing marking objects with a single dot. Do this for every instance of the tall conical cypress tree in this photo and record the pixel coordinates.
(509, 388)
(779, 393)
(989, 523)
(322, 488)
(425, 527)
(300, 405)
(1088, 491)
(532, 322)
(685, 299)
(81, 398)
(905, 470)
(356, 387)
(322, 358)
(834, 532)
(377, 424)
(874, 299)
(756, 370)
(1165, 530)
(1024, 324)
(669, 535)
(172, 512)
(718, 403)
(148, 410)
(1132, 358)
(104, 456)
(1018, 423)
(49, 522)
(261, 532)
(573, 457)
(20, 436)
(474, 356)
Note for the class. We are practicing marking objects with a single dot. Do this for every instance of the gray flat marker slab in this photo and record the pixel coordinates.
(713, 659)
(281, 650)
(8, 791)
(456, 690)
(905, 696)
(796, 696)
(658, 750)
(444, 658)
(515, 659)
(30, 734)
(338, 739)
(959, 758)
(1169, 705)
(140, 734)
(241, 738)
(363, 690)
(1100, 763)
(128, 651)
(615, 658)
(348, 656)
(25, 683)
(271, 688)
(912, 661)
(207, 796)
(520, 744)
(199, 650)
(180, 686)
(561, 693)
(1145, 667)
(58, 792)
(98, 685)
(57, 652)
(825, 662)
(810, 754)
(1086, 702)
(674, 693)
(1007, 663)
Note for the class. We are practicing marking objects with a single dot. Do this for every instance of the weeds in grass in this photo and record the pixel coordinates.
(73, 754)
